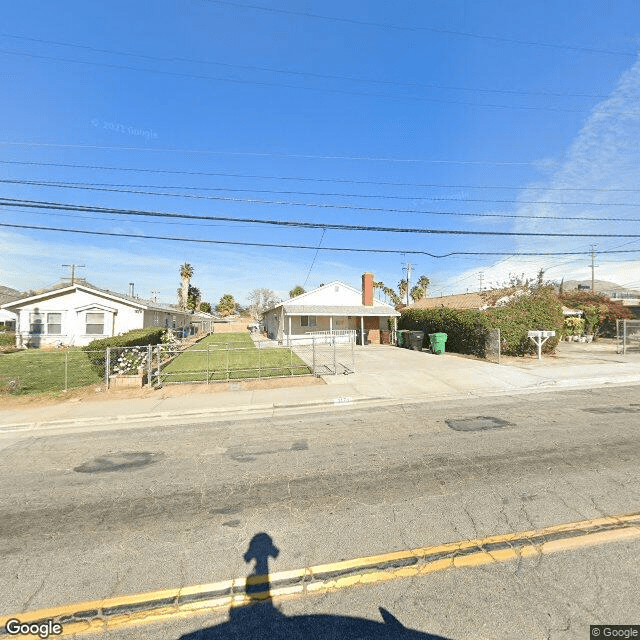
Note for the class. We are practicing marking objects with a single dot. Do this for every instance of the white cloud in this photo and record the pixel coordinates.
(604, 156)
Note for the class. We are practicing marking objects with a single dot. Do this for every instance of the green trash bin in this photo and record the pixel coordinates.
(402, 337)
(437, 342)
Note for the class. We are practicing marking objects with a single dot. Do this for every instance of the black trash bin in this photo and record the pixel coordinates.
(417, 338)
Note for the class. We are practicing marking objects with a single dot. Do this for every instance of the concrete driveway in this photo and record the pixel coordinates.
(387, 371)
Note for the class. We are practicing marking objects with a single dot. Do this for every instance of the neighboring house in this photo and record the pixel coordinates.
(479, 300)
(8, 320)
(334, 309)
(77, 314)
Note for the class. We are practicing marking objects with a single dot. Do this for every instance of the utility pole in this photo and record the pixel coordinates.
(73, 270)
(154, 295)
(408, 267)
(593, 268)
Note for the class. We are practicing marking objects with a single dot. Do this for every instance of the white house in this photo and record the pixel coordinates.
(76, 314)
(333, 309)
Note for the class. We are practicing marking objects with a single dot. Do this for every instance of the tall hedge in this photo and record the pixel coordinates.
(467, 330)
(125, 362)
(539, 310)
(135, 338)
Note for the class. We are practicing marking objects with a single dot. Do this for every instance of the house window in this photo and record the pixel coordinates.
(95, 324)
(308, 321)
(36, 323)
(54, 323)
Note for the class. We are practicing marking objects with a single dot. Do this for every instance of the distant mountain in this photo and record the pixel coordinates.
(601, 286)
(7, 294)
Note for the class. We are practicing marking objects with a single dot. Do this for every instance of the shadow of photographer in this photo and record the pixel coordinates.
(258, 618)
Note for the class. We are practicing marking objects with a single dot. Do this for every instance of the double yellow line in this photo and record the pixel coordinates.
(155, 606)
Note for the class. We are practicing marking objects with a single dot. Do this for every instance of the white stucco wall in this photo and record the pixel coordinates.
(336, 294)
(73, 308)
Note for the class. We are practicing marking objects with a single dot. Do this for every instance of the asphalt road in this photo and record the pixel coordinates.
(113, 512)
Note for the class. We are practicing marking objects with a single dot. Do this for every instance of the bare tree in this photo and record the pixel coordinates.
(260, 300)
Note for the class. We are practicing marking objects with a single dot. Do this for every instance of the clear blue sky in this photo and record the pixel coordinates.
(323, 103)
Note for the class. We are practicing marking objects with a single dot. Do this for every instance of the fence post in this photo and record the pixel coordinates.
(208, 351)
(290, 358)
(159, 363)
(313, 358)
(149, 364)
(624, 337)
(227, 360)
(107, 366)
(335, 365)
(66, 366)
(353, 354)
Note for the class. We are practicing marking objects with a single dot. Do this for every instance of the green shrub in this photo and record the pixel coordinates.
(539, 310)
(123, 363)
(600, 311)
(7, 339)
(467, 330)
(135, 338)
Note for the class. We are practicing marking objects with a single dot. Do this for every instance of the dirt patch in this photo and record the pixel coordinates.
(97, 393)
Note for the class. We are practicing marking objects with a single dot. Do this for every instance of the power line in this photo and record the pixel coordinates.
(315, 255)
(310, 74)
(283, 85)
(265, 154)
(323, 205)
(124, 188)
(417, 29)
(13, 202)
(430, 185)
(297, 246)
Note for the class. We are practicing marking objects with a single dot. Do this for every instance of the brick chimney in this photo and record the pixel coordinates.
(367, 289)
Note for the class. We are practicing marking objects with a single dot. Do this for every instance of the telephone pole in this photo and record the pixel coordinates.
(408, 267)
(73, 270)
(593, 267)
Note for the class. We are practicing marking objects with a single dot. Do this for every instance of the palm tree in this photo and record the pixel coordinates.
(416, 293)
(402, 288)
(423, 283)
(186, 273)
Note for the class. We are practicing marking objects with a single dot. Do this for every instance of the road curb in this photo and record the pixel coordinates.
(217, 414)
(276, 409)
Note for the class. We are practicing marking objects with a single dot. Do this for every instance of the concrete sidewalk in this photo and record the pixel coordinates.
(384, 375)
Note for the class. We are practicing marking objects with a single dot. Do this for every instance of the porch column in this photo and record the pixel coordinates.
(330, 324)
(289, 336)
(362, 329)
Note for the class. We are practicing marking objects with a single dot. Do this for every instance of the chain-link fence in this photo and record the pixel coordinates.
(628, 335)
(33, 371)
(223, 362)
(327, 357)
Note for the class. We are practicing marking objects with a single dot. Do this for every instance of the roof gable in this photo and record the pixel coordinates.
(334, 294)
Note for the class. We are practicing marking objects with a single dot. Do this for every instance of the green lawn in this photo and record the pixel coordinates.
(232, 356)
(39, 371)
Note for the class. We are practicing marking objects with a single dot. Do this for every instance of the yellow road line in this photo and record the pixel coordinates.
(156, 606)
